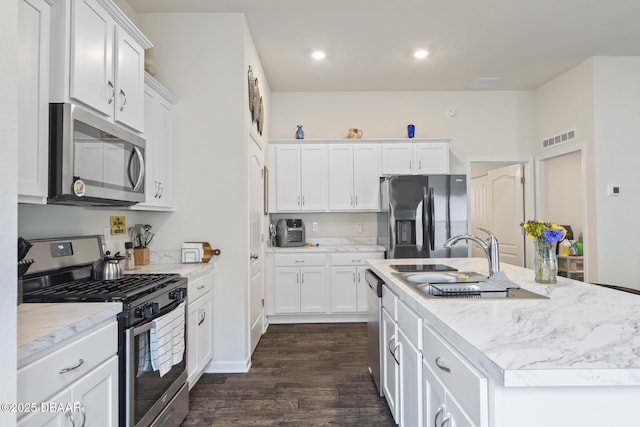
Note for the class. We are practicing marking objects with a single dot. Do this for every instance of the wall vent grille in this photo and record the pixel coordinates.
(559, 139)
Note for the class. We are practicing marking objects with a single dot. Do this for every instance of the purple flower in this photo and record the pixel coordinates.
(552, 235)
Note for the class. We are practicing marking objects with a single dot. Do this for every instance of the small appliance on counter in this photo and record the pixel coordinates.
(290, 232)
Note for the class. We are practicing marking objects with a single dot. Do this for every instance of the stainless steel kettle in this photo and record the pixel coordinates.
(107, 267)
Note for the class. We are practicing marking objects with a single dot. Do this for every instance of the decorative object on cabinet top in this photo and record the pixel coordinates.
(252, 93)
(354, 133)
(362, 141)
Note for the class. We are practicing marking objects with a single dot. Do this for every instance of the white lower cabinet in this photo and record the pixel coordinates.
(348, 287)
(410, 374)
(390, 363)
(317, 286)
(456, 394)
(82, 377)
(199, 326)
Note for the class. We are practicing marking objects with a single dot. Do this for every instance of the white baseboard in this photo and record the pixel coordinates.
(228, 367)
(275, 319)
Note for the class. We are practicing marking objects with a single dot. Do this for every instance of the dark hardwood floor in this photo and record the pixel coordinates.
(301, 375)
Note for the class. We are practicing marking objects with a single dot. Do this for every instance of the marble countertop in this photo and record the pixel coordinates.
(42, 326)
(190, 271)
(583, 335)
(328, 248)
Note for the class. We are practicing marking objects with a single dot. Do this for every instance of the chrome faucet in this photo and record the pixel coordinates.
(490, 248)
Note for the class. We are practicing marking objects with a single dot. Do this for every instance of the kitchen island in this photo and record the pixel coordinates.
(571, 359)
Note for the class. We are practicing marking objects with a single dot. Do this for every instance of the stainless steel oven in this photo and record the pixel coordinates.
(154, 397)
(93, 161)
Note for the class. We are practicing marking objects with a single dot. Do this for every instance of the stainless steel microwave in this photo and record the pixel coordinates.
(93, 162)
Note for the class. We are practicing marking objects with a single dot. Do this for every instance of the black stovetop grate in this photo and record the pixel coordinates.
(127, 288)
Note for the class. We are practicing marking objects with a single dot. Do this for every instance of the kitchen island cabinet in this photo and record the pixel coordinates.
(567, 360)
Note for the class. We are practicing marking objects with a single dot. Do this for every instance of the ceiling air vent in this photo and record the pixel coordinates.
(559, 139)
(482, 82)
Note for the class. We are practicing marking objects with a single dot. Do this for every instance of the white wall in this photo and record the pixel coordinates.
(617, 148)
(487, 124)
(202, 59)
(563, 104)
(8, 200)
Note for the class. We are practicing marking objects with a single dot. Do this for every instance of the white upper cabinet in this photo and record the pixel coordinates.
(99, 60)
(415, 158)
(299, 177)
(353, 176)
(33, 100)
(158, 113)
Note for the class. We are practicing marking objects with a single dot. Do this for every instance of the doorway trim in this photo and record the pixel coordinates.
(540, 167)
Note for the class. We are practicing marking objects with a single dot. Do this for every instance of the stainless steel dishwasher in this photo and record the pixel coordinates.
(374, 333)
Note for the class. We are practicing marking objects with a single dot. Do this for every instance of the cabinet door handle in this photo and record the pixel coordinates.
(69, 414)
(441, 366)
(409, 164)
(419, 164)
(356, 200)
(302, 200)
(298, 200)
(393, 351)
(161, 190)
(354, 277)
(438, 413)
(302, 278)
(446, 420)
(65, 370)
(297, 278)
(351, 202)
(395, 356)
(203, 315)
(157, 185)
(124, 99)
(84, 415)
(113, 91)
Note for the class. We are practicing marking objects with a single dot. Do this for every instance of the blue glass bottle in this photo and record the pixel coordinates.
(299, 133)
(411, 131)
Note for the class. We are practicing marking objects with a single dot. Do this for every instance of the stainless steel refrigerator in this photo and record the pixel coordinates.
(418, 213)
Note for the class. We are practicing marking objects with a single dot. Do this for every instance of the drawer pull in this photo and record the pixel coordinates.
(439, 365)
(65, 370)
(356, 260)
(299, 260)
(200, 287)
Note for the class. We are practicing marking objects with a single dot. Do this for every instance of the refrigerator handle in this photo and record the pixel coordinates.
(426, 225)
(432, 216)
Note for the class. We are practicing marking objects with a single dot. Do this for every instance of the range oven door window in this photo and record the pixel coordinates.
(147, 391)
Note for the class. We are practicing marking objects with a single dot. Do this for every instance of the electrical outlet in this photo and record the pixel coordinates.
(118, 226)
(359, 227)
(314, 226)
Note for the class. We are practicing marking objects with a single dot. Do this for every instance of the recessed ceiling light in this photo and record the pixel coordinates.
(318, 55)
(420, 54)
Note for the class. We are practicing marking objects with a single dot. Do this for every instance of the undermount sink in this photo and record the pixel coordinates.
(443, 277)
(465, 284)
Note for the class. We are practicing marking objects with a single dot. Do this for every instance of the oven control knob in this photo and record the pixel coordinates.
(180, 293)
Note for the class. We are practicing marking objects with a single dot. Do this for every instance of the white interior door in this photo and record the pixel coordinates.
(478, 198)
(256, 195)
(506, 211)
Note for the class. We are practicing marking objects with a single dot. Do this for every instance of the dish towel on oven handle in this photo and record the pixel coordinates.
(167, 340)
